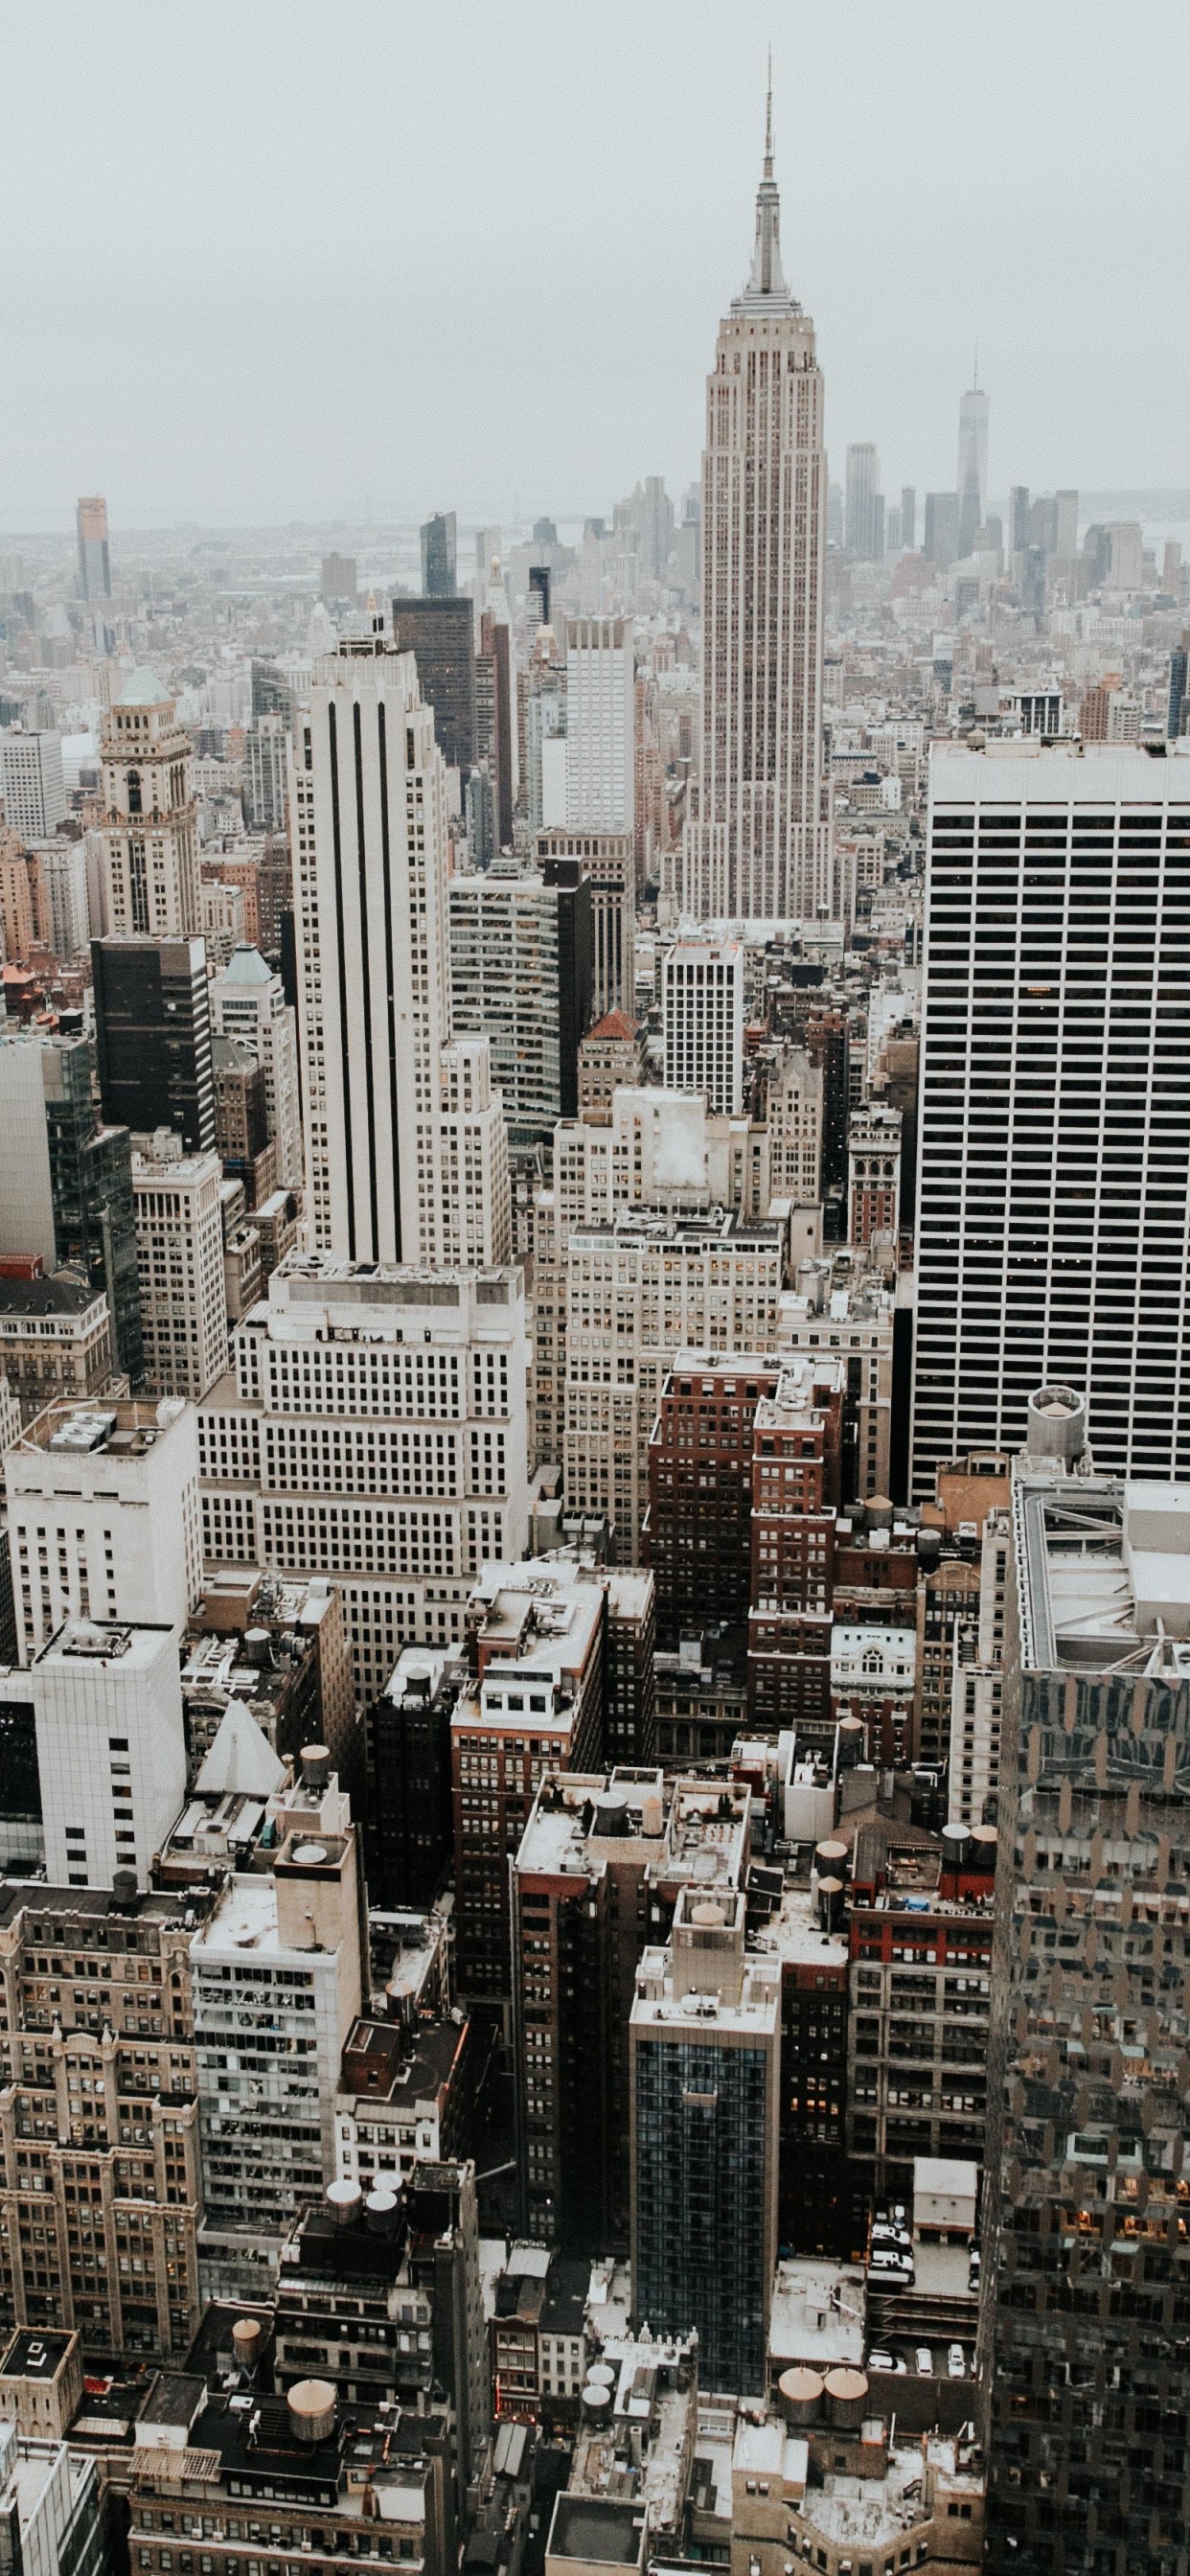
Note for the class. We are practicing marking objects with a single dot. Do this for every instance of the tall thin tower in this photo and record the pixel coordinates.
(406, 1150)
(758, 842)
(973, 461)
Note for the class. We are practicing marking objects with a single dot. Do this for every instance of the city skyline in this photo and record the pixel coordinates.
(895, 330)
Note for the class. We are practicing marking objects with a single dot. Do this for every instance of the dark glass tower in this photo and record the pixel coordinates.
(153, 1036)
(440, 633)
(91, 1186)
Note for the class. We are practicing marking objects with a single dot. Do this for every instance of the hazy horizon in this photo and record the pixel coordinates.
(268, 267)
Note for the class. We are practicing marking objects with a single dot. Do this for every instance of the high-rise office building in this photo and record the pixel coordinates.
(61, 873)
(153, 1037)
(522, 969)
(95, 574)
(1054, 1158)
(271, 694)
(150, 837)
(702, 1020)
(439, 555)
(339, 581)
(134, 1951)
(600, 723)
(495, 731)
(1066, 525)
(439, 631)
(266, 771)
(104, 1518)
(279, 1959)
(179, 1246)
(1084, 2250)
(1178, 663)
(247, 1002)
(91, 1193)
(597, 1875)
(33, 784)
(862, 493)
(705, 2043)
(664, 1283)
(111, 1749)
(18, 927)
(375, 1431)
(972, 480)
(66, 1178)
(607, 867)
(940, 544)
(908, 517)
(403, 1155)
(1017, 530)
(758, 842)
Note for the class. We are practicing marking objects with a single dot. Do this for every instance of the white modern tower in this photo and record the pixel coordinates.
(972, 483)
(1054, 1172)
(758, 843)
(600, 724)
(387, 1179)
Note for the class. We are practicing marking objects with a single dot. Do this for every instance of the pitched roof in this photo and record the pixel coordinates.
(241, 1758)
(614, 1024)
(142, 688)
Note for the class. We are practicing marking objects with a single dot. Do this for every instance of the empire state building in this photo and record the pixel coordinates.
(757, 844)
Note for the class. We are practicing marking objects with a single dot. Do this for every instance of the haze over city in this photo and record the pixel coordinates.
(264, 270)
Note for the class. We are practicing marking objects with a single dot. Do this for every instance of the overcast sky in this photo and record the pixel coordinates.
(264, 260)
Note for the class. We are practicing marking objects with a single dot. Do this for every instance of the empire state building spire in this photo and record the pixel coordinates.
(767, 277)
(757, 843)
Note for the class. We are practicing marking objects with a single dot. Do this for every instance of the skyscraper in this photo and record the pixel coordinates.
(439, 631)
(439, 555)
(859, 509)
(521, 971)
(908, 517)
(90, 518)
(31, 777)
(702, 1021)
(972, 482)
(758, 842)
(600, 723)
(368, 800)
(149, 826)
(705, 2040)
(1084, 2250)
(153, 1037)
(1055, 1120)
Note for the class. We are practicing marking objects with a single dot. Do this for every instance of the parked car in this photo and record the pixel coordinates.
(923, 2359)
(956, 2362)
(881, 2361)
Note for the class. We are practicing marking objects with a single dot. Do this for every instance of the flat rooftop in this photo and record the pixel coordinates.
(117, 1426)
(1013, 772)
(598, 2528)
(1103, 1574)
(36, 2356)
(818, 2314)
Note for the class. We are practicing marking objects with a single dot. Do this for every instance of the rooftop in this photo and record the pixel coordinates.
(1103, 1574)
(64, 1292)
(119, 1427)
(818, 2314)
(36, 2356)
(142, 688)
(597, 2528)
